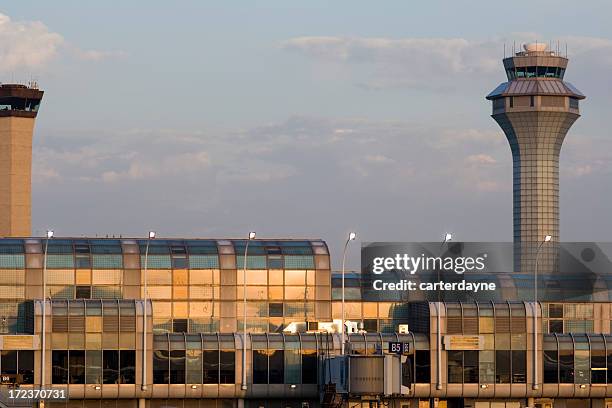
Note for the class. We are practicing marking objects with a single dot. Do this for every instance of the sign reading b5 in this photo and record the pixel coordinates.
(398, 347)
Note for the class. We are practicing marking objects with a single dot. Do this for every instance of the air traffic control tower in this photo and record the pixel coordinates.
(18, 108)
(535, 109)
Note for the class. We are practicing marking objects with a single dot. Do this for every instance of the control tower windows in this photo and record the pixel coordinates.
(535, 72)
(21, 104)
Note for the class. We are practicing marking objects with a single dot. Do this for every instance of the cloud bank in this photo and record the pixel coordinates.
(31, 46)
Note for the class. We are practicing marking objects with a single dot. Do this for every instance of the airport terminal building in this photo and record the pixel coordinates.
(133, 322)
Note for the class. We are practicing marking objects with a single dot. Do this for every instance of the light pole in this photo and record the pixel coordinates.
(244, 310)
(143, 386)
(351, 237)
(535, 386)
(44, 311)
(447, 238)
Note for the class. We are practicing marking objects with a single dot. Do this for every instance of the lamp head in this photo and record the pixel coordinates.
(151, 234)
(49, 234)
(252, 235)
(448, 237)
(547, 238)
(352, 236)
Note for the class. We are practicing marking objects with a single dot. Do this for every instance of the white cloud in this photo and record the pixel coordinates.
(31, 46)
(431, 63)
(26, 45)
(404, 62)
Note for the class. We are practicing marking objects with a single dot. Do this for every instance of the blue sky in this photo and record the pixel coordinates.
(213, 118)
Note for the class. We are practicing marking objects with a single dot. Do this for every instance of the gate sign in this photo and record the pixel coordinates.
(397, 347)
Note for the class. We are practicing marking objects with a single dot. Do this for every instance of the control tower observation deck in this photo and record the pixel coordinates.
(535, 108)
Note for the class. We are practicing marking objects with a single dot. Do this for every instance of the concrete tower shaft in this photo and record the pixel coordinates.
(18, 109)
(535, 109)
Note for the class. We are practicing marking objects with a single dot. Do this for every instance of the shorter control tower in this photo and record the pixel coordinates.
(535, 108)
(18, 109)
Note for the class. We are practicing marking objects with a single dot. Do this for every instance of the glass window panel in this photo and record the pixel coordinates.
(127, 370)
(296, 277)
(110, 366)
(107, 261)
(470, 367)
(106, 277)
(106, 292)
(105, 246)
(422, 366)
(203, 261)
(25, 367)
(275, 309)
(299, 262)
(598, 360)
(487, 366)
(157, 277)
(60, 277)
(551, 367)
(582, 367)
(76, 367)
(202, 247)
(8, 359)
(211, 366)
(309, 367)
(179, 261)
(14, 277)
(201, 277)
(227, 368)
(83, 292)
(297, 250)
(253, 262)
(59, 369)
(455, 366)
(275, 262)
(502, 366)
(555, 310)
(295, 292)
(15, 261)
(609, 358)
(161, 368)
(193, 366)
(157, 261)
(59, 261)
(260, 367)
(276, 366)
(566, 360)
(177, 367)
(519, 366)
(292, 367)
(254, 277)
(93, 367)
(555, 326)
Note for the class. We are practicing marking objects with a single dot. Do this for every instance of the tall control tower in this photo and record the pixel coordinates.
(535, 109)
(18, 108)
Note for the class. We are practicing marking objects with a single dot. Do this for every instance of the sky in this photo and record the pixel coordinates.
(297, 119)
